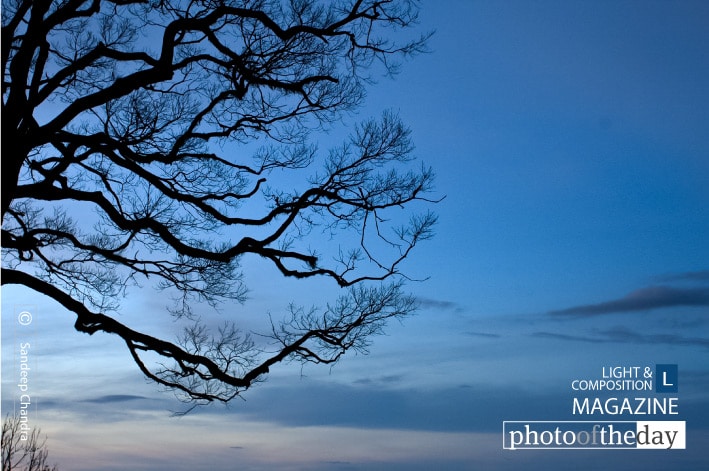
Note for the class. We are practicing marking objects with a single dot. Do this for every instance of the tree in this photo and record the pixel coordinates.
(22, 448)
(150, 140)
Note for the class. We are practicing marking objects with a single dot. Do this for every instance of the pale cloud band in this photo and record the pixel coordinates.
(653, 297)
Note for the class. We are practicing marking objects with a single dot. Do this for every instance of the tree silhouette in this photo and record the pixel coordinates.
(156, 142)
(23, 450)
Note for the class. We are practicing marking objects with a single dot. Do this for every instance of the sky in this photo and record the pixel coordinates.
(570, 141)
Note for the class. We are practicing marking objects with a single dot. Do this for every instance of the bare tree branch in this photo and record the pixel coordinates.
(23, 448)
(152, 142)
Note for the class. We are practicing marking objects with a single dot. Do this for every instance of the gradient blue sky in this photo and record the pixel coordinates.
(571, 139)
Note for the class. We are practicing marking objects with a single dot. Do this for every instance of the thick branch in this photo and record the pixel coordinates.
(204, 136)
(90, 323)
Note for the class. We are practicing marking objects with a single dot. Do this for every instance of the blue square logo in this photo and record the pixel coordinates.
(666, 378)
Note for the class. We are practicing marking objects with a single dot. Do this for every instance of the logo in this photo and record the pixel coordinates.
(618, 392)
(590, 435)
(666, 379)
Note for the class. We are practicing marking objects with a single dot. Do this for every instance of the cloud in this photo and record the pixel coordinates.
(483, 334)
(441, 305)
(702, 275)
(460, 408)
(653, 297)
(380, 380)
(625, 335)
(110, 407)
(114, 398)
(574, 338)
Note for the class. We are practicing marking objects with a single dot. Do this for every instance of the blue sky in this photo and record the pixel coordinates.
(570, 140)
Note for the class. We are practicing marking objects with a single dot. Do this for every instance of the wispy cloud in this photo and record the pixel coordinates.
(380, 380)
(625, 335)
(702, 275)
(653, 297)
(439, 304)
(455, 408)
(111, 407)
(486, 335)
(114, 398)
(574, 338)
